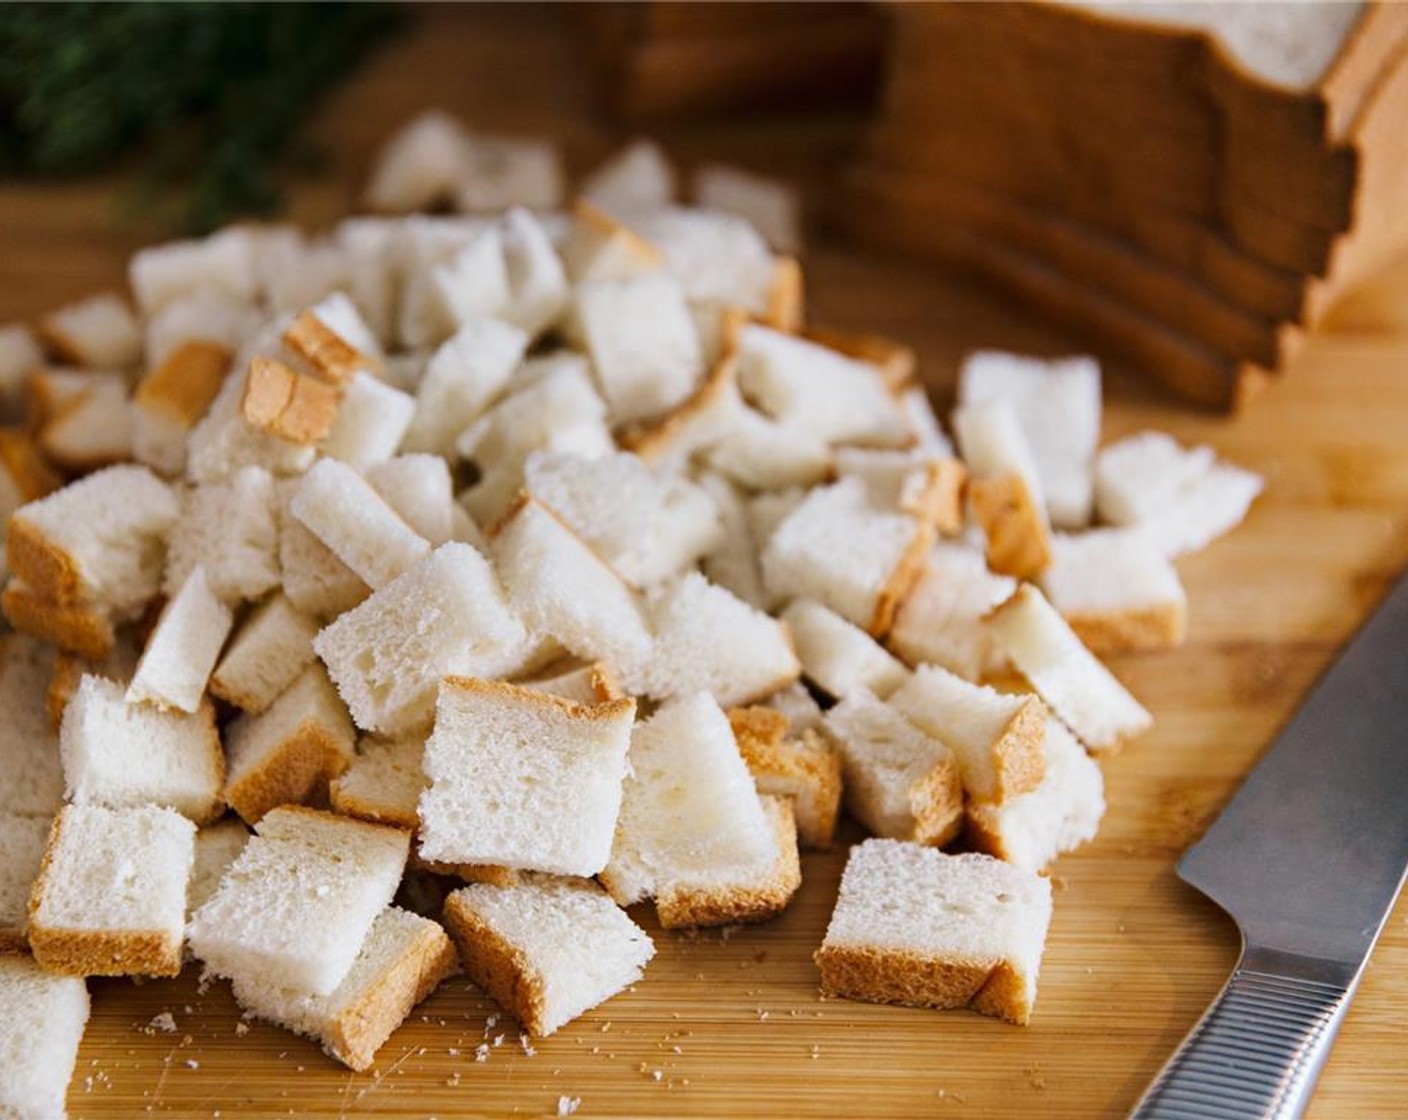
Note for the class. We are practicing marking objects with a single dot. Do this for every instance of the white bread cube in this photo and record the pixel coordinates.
(763, 454)
(472, 284)
(635, 180)
(445, 616)
(287, 754)
(421, 165)
(1138, 476)
(171, 399)
(719, 258)
(223, 442)
(181, 651)
(537, 279)
(899, 781)
(941, 619)
(69, 669)
(706, 639)
(924, 423)
(916, 482)
(597, 246)
(839, 550)
(1203, 510)
(996, 738)
(644, 350)
(93, 430)
(384, 782)
(42, 1017)
(690, 814)
(467, 373)
(29, 755)
(917, 927)
(993, 443)
(647, 526)
(99, 332)
(733, 562)
(769, 205)
(326, 877)
(799, 706)
(1117, 590)
(110, 899)
(334, 339)
(805, 769)
(523, 779)
(314, 579)
(403, 960)
(19, 356)
(120, 755)
(1058, 405)
(1004, 494)
(769, 509)
(503, 171)
(560, 587)
(423, 245)
(838, 656)
(419, 488)
(222, 262)
(22, 843)
(744, 893)
(218, 845)
(99, 540)
(1058, 816)
(546, 949)
(372, 419)
(272, 646)
(818, 391)
(1078, 688)
(231, 529)
(202, 316)
(343, 510)
(669, 441)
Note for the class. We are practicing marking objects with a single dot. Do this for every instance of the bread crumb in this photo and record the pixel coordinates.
(165, 1022)
(567, 1106)
(241, 1029)
(481, 1052)
(527, 1046)
(191, 1063)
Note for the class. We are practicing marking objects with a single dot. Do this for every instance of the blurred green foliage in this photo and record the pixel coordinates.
(209, 96)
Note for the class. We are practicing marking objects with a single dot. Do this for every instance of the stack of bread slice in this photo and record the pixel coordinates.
(543, 557)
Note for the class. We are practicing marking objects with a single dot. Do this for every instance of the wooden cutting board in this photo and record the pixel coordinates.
(733, 1025)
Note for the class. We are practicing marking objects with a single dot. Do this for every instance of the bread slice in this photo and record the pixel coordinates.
(561, 587)
(326, 877)
(644, 350)
(1058, 816)
(899, 781)
(181, 651)
(42, 1017)
(928, 486)
(522, 779)
(995, 737)
(689, 813)
(99, 332)
(940, 620)
(765, 454)
(222, 442)
(29, 756)
(1117, 590)
(22, 843)
(537, 278)
(446, 616)
(599, 247)
(839, 550)
(172, 398)
(404, 958)
(222, 262)
(805, 769)
(466, 374)
(287, 754)
(81, 629)
(957, 931)
(1057, 404)
(280, 401)
(838, 656)
(231, 529)
(314, 579)
(1137, 477)
(269, 650)
(647, 526)
(421, 166)
(1079, 689)
(92, 430)
(799, 706)
(100, 540)
(118, 754)
(635, 180)
(740, 894)
(770, 205)
(110, 899)
(706, 639)
(546, 949)
(218, 845)
(343, 510)
(384, 782)
(372, 420)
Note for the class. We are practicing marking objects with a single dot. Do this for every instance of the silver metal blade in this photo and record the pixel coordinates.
(1310, 853)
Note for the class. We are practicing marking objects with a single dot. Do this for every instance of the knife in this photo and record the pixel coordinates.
(1308, 858)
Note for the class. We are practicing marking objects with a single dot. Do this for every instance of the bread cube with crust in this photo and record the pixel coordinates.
(172, 398)
(838, 656)
(384, 782)
(343, 510)
(230, 528)
(467, 373)
(272, 646)
(598, 246)
(91, 430)
(763, 454)
(372, 420)
(280, 401)
(222, 262)
(421, 165)
(223, 442)
(202, 316)
(19, 356)
(314, 579)
(940, 621)
(719, 258)
(798, 764)
(1005, 489)
(181, 652)
(78, 628)
(919, 483)
(99, 332)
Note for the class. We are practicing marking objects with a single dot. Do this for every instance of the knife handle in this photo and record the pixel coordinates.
(1258, 1049)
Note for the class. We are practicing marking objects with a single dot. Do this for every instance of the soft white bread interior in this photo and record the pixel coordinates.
(733, 561)
(839, 657)
(761, 453)
(99, 332)
(940, 620)
(271, 647)
(419, 488)
(804, 768)
(384, 782)
(223, 441)
(720, 259)
(19, 356)
(42, 1017)
(421, 165)
(546, 949)
(231, 529)
(181, 651)
(94, 429)
(635, 180)
(1205, 509)
(217, 846)
(916, 926)
(314, 579)
(798, 705)
(466, 374)
(1136, 477)
(222, 262)
(537, 277)
(372, 420)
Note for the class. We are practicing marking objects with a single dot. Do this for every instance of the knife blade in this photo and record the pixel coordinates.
(1308, 858)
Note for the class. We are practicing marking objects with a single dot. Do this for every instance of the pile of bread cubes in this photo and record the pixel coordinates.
(536, 565)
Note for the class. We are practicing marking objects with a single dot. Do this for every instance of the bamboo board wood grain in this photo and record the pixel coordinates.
(732, 1026)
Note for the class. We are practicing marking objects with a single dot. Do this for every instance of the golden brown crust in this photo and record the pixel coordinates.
(329, 356)
(489, 873)
(532, 697)
(282, 402)
(786, 305)
(1019, 751)
(47, 569)
(604, 682)
(63, 451)
(757, 729)
(905, 575)
(350, 804)
(79, 630)
(1134, 629)
(497, 965)
(321, 818)
(30, 474)
(895, 361)
(297, 771)
(182, 387)
(940, 500)
(654, 438)
(936, 803)
(728, 904)
(63, 683)
(601, 224)
(354, 1037)
(913, 979)
(1019, 543)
